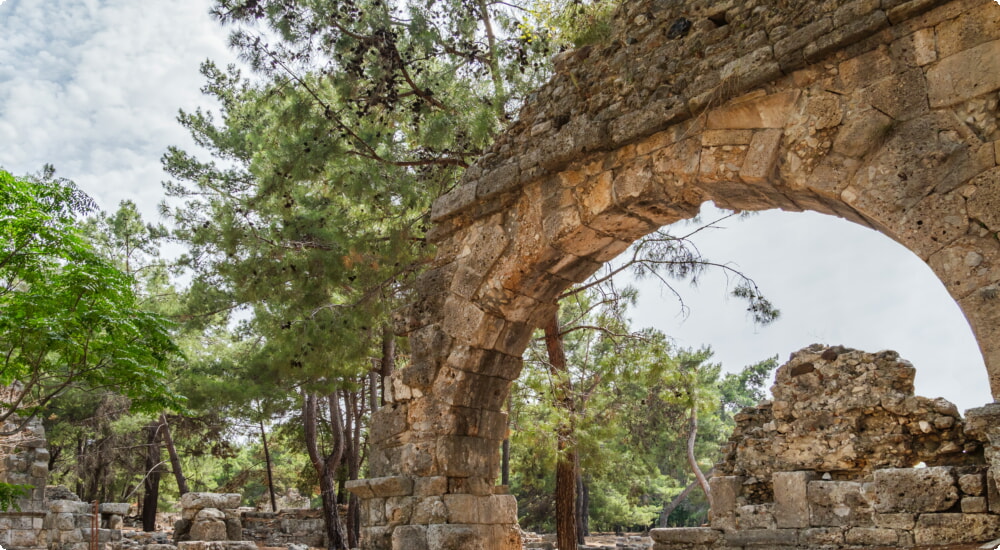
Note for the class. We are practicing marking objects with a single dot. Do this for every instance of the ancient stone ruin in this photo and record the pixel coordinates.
(54, 518)
(830, 463)
(882, 112)
(30, 466)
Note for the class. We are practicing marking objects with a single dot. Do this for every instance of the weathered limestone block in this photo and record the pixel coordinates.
(955, 528)
(725, 492)
(218, 501)
(871, 536)
(410, 537)
(209, 524)
(685, 535)
(216, 545)
(971, 484)
(839, 504)
(903, 522)
(974, 505)
(763, 537)
(965, 75)
(791, 503)
(915, 489)
(429, 510)
(755, 516)
(841, 410)
(820, 536)
(115, 508)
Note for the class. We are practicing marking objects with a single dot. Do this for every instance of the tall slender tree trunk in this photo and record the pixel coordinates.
(270, 469)
(668, 508)
(505, 447)
(175, 461)
(566, 531)
(326, 467)
(499, 93)
(692, 460)
(582, 506)
(388, 364)
(353, 414)
(151, 485)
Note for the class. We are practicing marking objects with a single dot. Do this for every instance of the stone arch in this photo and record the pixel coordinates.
(882, 113)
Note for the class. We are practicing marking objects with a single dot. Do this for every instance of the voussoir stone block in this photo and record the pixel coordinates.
(965, 75)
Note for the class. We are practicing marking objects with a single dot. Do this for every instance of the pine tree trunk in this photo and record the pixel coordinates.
(388, 365)
(270, 470)
(566, 533)
(673, 504)
(505, 447)
(582, 506)
(692, 460)
(151, 485)
(175, 461)
(325, 468)
(580, 515)
(505, 462)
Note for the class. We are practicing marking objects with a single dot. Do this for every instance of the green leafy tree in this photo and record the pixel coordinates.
(72, 320)
(620, 414)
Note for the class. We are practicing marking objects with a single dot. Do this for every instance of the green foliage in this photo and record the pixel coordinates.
(576, 22)
(632, 393)
(9, 495)
(71, 319)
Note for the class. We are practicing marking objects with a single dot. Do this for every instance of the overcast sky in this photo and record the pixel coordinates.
(94, 86)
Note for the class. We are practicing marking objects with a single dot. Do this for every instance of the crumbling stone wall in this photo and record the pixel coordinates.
(881, 112)
(296, 526)
(846, 413)
(829, 464)
(69, 524)
(27, 464)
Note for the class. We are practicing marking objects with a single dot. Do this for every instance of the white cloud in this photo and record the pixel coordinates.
(94, 88)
